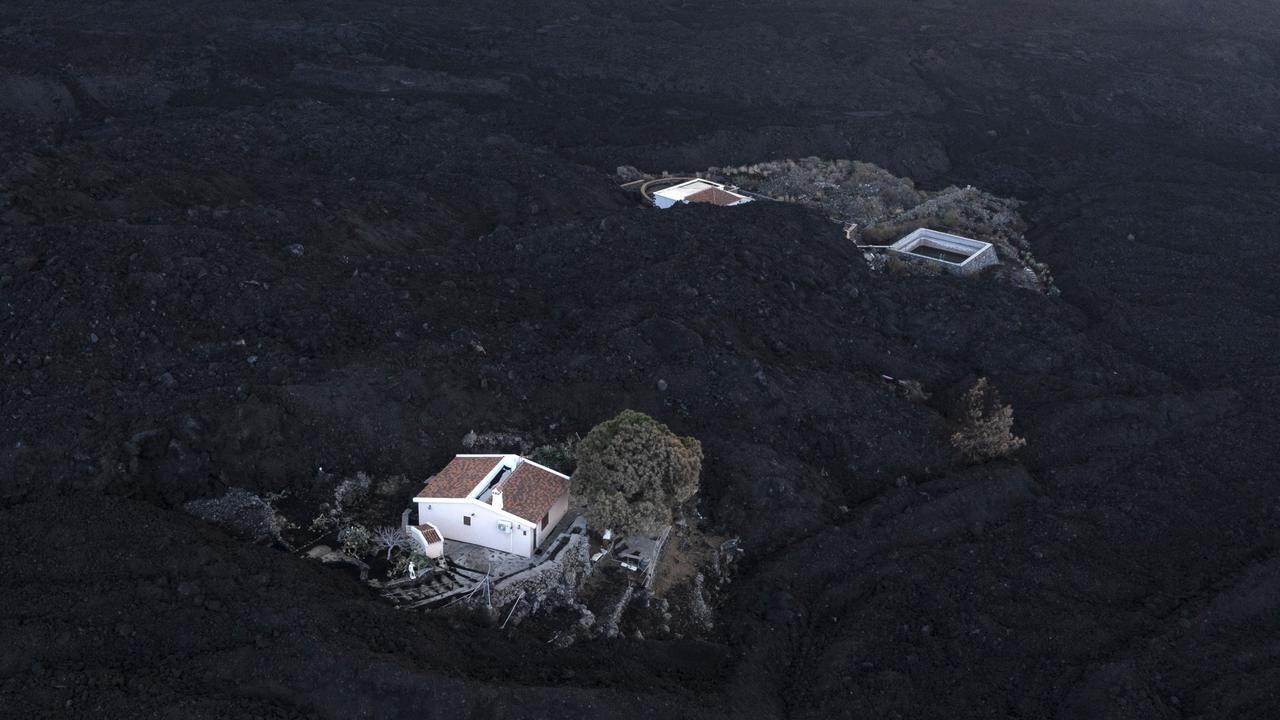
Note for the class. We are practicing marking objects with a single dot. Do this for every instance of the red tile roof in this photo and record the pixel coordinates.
(530, 491)
(715, 196)
(460, 476)
(429, 533)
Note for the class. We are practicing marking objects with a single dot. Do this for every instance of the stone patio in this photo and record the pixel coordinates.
(464, 565)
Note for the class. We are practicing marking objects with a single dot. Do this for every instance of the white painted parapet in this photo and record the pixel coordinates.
(953, 253)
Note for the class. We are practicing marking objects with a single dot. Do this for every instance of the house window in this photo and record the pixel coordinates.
(544, 519)
(466, 519)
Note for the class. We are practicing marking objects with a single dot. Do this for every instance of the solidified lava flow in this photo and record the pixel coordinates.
(252, 250)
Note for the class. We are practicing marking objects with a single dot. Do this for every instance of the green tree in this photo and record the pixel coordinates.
(634, 472)
(557, 456)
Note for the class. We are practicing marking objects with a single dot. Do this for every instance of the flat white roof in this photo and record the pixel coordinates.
(957, 244)
(689, 187)
(698, 191)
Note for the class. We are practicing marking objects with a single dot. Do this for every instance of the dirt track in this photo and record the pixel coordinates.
(468, 263)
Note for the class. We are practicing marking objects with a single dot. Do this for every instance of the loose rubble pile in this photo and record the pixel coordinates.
(242, 513)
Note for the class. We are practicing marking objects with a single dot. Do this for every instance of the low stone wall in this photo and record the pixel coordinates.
(561, 574)
(609, 621)
(651, 571)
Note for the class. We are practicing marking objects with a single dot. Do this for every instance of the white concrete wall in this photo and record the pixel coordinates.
(435, 550)
(447, 516)
(981, 254)
(554, 516)
(984, 259)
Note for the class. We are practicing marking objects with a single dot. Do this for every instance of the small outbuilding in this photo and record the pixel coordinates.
(428, 539)
(952, 253)
(699, 191)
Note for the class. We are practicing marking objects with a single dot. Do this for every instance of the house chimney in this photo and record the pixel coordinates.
(496, 499)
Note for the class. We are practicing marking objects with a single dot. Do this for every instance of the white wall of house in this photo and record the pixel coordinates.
(554, 515)
(447, 515)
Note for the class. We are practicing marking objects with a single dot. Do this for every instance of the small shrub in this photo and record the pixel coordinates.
(401, 566)
(326, 521)
(889, 233)
(561, 457)
(390, 487)
(952, 219)
(986, 426)
(880, 235)
(356, 540)
(351, 492)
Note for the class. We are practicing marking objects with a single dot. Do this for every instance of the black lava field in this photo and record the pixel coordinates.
(240, 241)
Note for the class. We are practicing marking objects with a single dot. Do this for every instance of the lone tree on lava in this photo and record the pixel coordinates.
(986, 425)
(634, 472)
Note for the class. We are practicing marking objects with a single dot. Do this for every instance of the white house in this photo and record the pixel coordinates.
(504, 502)
(700, 191)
